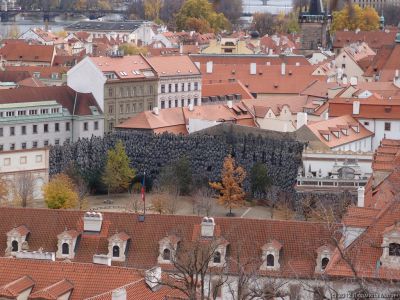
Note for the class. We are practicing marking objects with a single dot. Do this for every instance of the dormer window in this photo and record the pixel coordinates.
(270, 256)
(270, 260)
(324, 254)
(217, 257)
(115, 251)
(17, 240)
(168, 247)
(394, 249)
(65, 248)
(14, 246)
(67, 243)
(166, 254)
(117, 246)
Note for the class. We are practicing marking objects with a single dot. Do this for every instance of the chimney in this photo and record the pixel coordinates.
(153, 277)
(253, 69)
(156, 110)
(229, 103)
(353, 81)
(360, 196)
(181, 48)
(283, 69)
(119, 294)
(396, 74)
(356, 107)
(102, 259)
(209, 67)
(302, 119)
(92, 221)
(191, 107)
(207, 227)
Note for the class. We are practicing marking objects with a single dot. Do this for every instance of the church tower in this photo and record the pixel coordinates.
(314, 24)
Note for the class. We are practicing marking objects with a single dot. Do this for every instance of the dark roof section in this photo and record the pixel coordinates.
(14, 76)
(105, 26)
(64, 95)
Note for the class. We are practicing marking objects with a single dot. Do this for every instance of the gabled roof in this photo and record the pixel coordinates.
(224, 89)
(54, 291)
(16, 287)
(375, 39)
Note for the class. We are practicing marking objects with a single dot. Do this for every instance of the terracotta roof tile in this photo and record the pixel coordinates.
(28, 53)
(53, 291)
(227, 88)
(173, 65)
(16, 287)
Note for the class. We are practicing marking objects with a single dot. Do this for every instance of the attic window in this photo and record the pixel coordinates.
(166, 254)
(336, 133)
(275, 85)
(394, 249)
(270, 260)
(65, 248)
(388, 109)
(115, 251)
(217, 257)
(344, 131)
(14, 246)
(326, 137)
(324, 263)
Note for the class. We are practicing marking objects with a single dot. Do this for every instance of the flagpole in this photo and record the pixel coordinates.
(144, 194)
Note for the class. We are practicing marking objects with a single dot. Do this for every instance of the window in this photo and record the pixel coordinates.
(324, 263)
(343, 66)
(151, 90)
(34, 129)
(110, 126)
(44, 111)
(121, 91)
(12, 146)
(167, 254)
(387, 126)
(22, 113)
(128, 108)
(33, 112)
(189, 86)
(162, 88)
(57, 127)
(22, 160)
(110, 109)
(57, 142)
(96, 125)
(1, 131)
(14, 246)
(23, 130)
(110, 92)
(176, 102)
(196, 86)
(169, 88)
(196, 101)
(121, 108)
(176, 87)
(270, 260)
(1, 147)
(65, 248)
(183, 102)
(46, 143)
(189, 101)
(182, 87)
(7, 161)
(394, 249)
(366, 123)
(10, 114)
(34, 144)
(162, 104)
(67, 125)
(23, 145)
(169, 103)
(115, 252)
(133, 107)
(217, 257)
(85, 126)
(46, 127)
(12, 130)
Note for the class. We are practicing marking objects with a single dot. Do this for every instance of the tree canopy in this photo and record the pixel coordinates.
(260, 181)
(132, 49)
(117, 173)
(355, 17)
(60, 192)
(230, 188)
(199, 15)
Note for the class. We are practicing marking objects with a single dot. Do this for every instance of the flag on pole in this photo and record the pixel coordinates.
(143, 191)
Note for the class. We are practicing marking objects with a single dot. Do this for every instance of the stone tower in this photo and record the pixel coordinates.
(314, 23)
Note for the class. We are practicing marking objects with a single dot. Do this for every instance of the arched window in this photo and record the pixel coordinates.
(14, 246)
(394, 249)
(324, 263)
(270, 260)
(115, 251)
(65, 248)
(217, 257)
(166, 254)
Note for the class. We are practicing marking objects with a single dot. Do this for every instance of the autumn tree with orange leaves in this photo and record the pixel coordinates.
(230, 187)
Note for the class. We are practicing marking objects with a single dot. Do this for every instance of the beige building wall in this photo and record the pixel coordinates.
(124, 99)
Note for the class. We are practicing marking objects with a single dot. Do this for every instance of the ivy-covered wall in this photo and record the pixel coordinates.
(149, 153)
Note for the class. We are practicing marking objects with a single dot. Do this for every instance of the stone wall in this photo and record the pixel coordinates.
(149, 153)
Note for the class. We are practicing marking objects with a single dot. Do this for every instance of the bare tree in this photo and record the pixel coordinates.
(203, 201)
(24, 188)
(4, 191)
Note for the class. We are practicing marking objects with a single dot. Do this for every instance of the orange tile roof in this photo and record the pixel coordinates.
(298, 240)
(16, 287)
(53, 291)
(375, 39)
(327, 127)
(240, 59)
(173, 65)
(226, 88)
(125, 67)
(28, 53)
(45, 72)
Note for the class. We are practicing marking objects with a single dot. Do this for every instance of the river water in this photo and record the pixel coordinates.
(24, 23)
